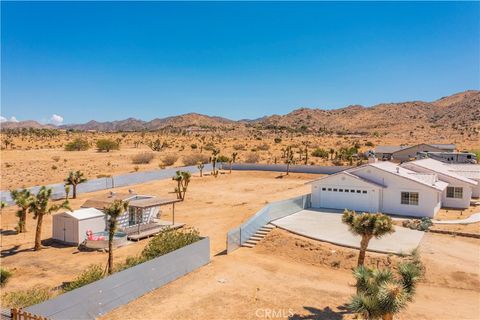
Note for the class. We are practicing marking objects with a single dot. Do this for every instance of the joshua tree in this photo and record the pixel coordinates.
(22, 199)
(67, 191)
(233, 159)
(39, 206)
(113, 211)
(75, 178)
(215, 153)
(367, 225)
(289, 158)
(156, 145)
(183, 179)
(381, 294)
(200, 167)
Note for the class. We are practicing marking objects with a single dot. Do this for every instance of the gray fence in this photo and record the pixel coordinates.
(100, 297)
(273, 211)
(110, 182)
(283, 168)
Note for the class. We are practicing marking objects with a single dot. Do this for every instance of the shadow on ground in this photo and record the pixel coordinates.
(321, 314)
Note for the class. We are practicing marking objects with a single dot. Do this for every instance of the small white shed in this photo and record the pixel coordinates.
(71, 227)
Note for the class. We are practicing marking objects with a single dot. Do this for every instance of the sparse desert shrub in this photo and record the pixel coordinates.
(369, 144)
(129, 262)
(194, 159)
(4, 276)
(77, 145)
(169, 159)
(136, 168)
(320, 153)
(252, 157)
(54, 167)
(93, 273)
(26, 298)
(168, 241)
(107, 145)
(143, 158)
(238, 147)
(209, 146)
(56, 158)
(223, 158)
(193, 146)
(263, 147)
(277, 140)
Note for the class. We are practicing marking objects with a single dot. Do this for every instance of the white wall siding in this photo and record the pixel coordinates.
(429, 199)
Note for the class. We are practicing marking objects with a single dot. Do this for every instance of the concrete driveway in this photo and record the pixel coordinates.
(326, 225)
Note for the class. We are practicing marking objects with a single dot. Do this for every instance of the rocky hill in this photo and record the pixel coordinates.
(461, 110)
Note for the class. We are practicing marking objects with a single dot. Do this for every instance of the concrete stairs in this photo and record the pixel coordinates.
(259, 235)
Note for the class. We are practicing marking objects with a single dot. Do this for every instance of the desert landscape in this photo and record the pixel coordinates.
(302, 277)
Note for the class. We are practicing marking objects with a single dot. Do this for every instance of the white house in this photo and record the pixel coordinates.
(380, 187)
(471, 171)
(460, 188)
(406, 153)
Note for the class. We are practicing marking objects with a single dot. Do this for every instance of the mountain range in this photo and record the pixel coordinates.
(461, 110)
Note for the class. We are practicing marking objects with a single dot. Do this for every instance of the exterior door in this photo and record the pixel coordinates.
(68, 230)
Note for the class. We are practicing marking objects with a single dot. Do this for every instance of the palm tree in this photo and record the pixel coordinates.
(113, 211)
(367, 225)
(75, 178)
(22, 199)
(39, 206)
(380, 294)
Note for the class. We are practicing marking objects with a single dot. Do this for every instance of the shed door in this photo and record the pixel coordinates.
(68, 230)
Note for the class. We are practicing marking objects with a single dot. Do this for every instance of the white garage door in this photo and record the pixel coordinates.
(353, 198)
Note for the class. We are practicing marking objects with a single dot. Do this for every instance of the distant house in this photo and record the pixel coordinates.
(380, 187)
(406, 153)
(460, 188)
(471, 171)
(449, 157)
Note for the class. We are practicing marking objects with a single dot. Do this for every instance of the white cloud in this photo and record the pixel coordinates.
(56, 119)
(12, 119)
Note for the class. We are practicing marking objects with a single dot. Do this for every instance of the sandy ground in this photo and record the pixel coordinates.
(34, 160)
(284, 276)
(243, 193)
(290, 276)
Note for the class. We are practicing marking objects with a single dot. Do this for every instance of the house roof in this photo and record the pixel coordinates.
(152, 202)
(85, 213)
(429, 180)
(440, 168)
(471, 171)
(393, 149)
(105, 200)
(350, 175)
(389, 149)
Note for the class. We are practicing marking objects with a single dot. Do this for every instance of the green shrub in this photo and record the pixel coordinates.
(93, 273)
(320, 153)
(107, 145)
(26, 298)
(77, 145)
(168, 241)
(129, 262)
(369, 144)
(4, 275)
(222, 158)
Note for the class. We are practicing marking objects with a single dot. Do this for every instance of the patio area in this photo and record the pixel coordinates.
(326, 225)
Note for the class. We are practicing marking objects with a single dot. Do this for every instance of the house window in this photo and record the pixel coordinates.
(352, 191)
(364, 191)
(410, 198)
(455, 192)
(340, 190)
(346, 190)
(335, 190)
(329, 189)
(359, 191)
(324, 189)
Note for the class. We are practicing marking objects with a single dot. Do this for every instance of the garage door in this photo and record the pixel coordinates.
(352, 198)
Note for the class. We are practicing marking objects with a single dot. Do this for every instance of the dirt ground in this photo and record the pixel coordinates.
(284, 276)
(242, 194)
(288, 280)
(36, 160)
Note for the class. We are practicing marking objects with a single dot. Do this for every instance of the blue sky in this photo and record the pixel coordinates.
(113, 60)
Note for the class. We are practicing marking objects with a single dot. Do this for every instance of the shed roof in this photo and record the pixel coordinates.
(85, 213)
(152, 202)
